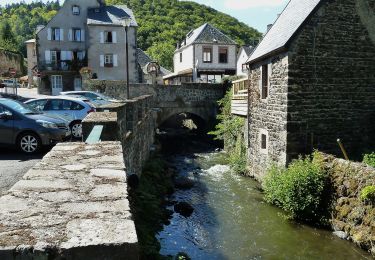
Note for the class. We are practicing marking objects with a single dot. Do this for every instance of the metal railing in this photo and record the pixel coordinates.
(65, 65)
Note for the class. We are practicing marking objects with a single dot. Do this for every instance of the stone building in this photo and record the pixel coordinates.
(85, 33)
(10, 60)
(150, 72)
(312, 81)
(206, 55)
(32, 62)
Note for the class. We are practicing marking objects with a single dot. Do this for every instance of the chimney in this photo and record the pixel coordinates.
(269, 26)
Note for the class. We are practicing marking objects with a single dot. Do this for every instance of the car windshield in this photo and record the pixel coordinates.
(104, 96)
(19, 107)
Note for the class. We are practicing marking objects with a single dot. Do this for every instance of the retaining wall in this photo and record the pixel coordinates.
(71, 205)
(353, 218)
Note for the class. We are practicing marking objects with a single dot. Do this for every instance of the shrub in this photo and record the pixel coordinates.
(369, 159)
(299, 188)
(368, 194)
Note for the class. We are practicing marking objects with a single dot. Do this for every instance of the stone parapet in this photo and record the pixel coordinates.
(109, 122)
(71, 205)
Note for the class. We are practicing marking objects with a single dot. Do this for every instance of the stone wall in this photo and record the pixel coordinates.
(331, 91)
(132, 123)
(268, 116)
(9, 60)
(72, 205)
(352, 218)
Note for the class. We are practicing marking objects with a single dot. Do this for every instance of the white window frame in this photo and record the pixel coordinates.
(56, 81)
(261, 133)
(207, 56)
(56, 34)
(53, 57)
(74, 34)
(74, 10)
(108, 59)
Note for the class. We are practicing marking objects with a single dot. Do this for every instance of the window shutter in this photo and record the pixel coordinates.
(70, 35)
(61, 34)
(101, 37)
(48, 56)
(49, 34)
(101, 60)
(114, 37)
(269, 74)
(83, 38)
(115, 62)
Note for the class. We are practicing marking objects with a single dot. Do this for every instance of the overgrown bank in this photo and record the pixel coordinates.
(230, 129)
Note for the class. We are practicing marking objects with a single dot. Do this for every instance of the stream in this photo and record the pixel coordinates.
(231, 220)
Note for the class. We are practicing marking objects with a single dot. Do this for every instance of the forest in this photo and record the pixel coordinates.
(162, 23)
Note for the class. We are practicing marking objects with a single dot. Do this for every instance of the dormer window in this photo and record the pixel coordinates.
(76, 10)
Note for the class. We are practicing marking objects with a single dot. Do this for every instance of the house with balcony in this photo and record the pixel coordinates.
(206, 55)
(86, 33)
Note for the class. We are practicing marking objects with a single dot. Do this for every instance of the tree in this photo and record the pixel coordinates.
(6, 32)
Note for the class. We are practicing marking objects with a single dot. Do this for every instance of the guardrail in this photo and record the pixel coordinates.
(240, 88)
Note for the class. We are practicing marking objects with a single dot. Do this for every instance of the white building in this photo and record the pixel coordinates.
(243, 55)
(206, 55)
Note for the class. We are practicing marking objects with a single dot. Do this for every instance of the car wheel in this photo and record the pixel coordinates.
(29, 143)
(76, 129)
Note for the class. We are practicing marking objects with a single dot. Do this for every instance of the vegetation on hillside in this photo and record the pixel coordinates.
(162, 23)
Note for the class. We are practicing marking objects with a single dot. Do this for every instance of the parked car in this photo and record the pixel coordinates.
(9, 83)
(98, 99)
(28, 129)
(73, 109)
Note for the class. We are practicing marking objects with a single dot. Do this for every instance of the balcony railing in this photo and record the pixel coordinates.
(240, 88)
(64, 65)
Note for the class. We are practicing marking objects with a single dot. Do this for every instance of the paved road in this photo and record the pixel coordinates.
(13, 165)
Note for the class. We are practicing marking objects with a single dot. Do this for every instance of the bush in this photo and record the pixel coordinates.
(299, 188)
(369, 159)
(368, 194)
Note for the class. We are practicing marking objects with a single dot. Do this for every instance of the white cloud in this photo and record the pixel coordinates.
(247, 4)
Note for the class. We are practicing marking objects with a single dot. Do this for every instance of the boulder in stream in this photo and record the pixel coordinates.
(183, 183)
(184, 209)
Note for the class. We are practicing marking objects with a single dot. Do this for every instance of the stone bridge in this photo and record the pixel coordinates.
(196, 99)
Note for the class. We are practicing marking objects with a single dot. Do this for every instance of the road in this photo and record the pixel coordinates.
(13, 166)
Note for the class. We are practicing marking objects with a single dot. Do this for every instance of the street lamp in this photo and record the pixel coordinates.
(126, 21)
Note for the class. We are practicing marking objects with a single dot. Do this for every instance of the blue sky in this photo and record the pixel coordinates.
(256, 13)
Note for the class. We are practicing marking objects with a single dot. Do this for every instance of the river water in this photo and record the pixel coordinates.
(231, 220)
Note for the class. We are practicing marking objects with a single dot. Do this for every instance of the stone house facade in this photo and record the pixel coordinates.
(206, 55)
(312, 81)
(85, 33)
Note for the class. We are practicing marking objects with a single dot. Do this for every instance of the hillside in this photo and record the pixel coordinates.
(162, 23)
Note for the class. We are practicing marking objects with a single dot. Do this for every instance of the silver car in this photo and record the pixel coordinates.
(96, 98)
(73, 109)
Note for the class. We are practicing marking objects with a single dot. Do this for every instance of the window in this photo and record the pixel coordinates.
(55, 57)
(207, 55)
(108, 60)
(108, 37)
(264, 81)
(263, 135)
(38, 104)
(223, 55)
(75, 9)
(181, 57)
(244, 68)
(56, 33)
(56, 81)
(264, 141)
(77, 35)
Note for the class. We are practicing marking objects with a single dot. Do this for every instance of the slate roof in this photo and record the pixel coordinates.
(110, 15)
(248, 49)
(207, 34)
(143, 59)
(285, 27)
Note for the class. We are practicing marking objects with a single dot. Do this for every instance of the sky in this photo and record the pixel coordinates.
(255, 13)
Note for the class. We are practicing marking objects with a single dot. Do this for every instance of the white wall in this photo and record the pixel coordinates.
(242, 58)
(187, 59)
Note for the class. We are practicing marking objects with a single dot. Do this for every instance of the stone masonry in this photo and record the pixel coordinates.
(322, 87)
(72, 205)
(9, 60)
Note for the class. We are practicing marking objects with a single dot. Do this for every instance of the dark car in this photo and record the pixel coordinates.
(28, 129)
